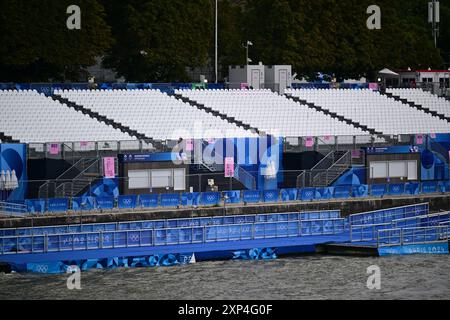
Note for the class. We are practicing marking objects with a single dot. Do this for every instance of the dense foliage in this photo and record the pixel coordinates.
(155, 40)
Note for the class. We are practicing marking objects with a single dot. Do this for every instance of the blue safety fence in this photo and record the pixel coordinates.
(163, 237)
(410, 236)
(173, 223)
(422, 221)
(39, 206)
(388, 215)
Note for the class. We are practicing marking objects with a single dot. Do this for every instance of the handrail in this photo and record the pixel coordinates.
(166, 222)
(411, 236)
(160, 237)
(78, 177)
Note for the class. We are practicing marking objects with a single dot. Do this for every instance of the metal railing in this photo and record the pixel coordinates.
(172, 223)
(411, 236)
(160, 237)
(13, 209)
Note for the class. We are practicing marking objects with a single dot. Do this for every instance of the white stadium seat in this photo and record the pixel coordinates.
(374, 110)
(32, 117)
(155, 114)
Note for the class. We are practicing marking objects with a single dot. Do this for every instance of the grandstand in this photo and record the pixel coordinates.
(29, 117)
(387, 116)
(424, 100)
(155, 114)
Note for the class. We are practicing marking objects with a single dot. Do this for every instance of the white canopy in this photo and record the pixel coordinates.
(387, 72)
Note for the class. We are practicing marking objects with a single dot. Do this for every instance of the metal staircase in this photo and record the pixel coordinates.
(93, 170)
(330, 168)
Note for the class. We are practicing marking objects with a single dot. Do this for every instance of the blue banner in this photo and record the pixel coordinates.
(190, 199)
(397, 189)
(342, 192)
(105, 203)
(378, 190)
(35, 205)
(210, 198)
(361, 191)
(127, 202)
(252, 196)
(170, 200)
(288, 195)
(83, 204)
(271, 195)
(412, 188)
(308, 194)
(232, 196)
(149, 200)
(324, 193)
(58, 205)
(429, 187)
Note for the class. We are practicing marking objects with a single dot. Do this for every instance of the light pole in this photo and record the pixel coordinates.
(216, 63)
(246, 46)
(434, 18)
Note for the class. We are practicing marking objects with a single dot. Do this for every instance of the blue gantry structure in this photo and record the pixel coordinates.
(58, 249)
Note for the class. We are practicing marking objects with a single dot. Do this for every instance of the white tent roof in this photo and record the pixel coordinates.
(387, 72)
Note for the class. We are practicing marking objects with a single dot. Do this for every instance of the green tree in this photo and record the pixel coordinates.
(36, 44)
(157, 39)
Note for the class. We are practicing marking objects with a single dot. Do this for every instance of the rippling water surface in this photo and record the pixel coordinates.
(308, 277)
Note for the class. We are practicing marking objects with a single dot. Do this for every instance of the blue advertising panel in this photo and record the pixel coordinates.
(271, 195)
(342, 192)
(35, 205)
(127, 202)
(252, 196)
(13, 163)
(289, 195)
(361, 191)
(190, 199)
(396, 189)
(210, 198)
(378, 190)
(412, 188)
(149, 200)
(170, 200)
(429, 187)
(58, 205)
(83, 204)
(308, 194)
(232, 196)
(324, 193)
(105, 203)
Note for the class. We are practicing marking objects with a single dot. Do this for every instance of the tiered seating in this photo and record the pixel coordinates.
(425, 99)
(32, 117)
(271, 113)
(155, 114)
(374, 110)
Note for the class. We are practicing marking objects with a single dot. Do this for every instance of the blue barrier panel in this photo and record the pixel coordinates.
(307, 194)
(35, 205)
(83, 204)
(378, 190)
(149, 200)
(105, 203)
(342, 192)
(289, 195)
(127, 202)
(58, 205)
(190, 199)
(170, 200)
(324, 193)
(210, 198)
(251, 196)
(232, 196)
(429, 187)
(412, 188)
(397, 189)
(271, 195)
(360, 191)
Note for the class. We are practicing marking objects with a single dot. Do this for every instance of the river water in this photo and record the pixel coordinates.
(305, 277)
